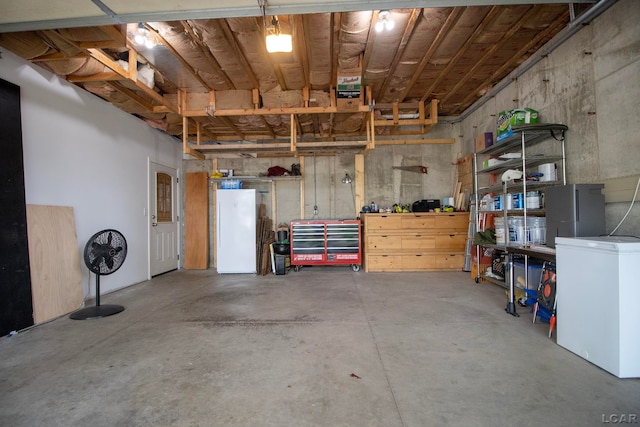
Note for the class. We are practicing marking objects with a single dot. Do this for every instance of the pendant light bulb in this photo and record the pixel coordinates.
(384, 23)
(389, 24)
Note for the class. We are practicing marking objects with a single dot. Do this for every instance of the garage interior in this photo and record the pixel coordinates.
(324, 345)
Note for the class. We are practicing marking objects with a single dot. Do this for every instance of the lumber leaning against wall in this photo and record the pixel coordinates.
(54, 259)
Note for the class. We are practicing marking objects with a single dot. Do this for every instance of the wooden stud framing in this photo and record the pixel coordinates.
(294, 132)
(301, 161)
(360, 181)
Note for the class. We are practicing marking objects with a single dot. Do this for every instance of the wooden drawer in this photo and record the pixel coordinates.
(382, 222)
(452, 222)
(449, 261)
(383, 262)
(418, 221)
(418, 241)
(418, 262)
(383, 242)
(451, 241)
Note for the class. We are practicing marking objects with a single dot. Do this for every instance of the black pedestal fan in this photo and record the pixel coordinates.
(104, 253)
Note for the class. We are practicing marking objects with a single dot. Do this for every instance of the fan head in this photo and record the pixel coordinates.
(105, 252)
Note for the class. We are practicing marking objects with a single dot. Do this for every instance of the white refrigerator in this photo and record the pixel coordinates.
(597, 294)
(236, 231)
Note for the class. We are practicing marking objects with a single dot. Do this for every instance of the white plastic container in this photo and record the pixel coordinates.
(533, 200)
(498, 223)
(537, 227)
(487, 203)
(498, 202)
(516, 230)
(548, 171)
(518, 201)
(508, 205)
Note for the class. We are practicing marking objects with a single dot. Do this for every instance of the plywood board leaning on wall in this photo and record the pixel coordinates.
(465, 178)
(54, 259)
(196, 225)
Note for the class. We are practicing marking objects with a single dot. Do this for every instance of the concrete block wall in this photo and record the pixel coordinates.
(590, 83)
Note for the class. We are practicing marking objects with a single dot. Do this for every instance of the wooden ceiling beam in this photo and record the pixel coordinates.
(415, 141)
(186, 148)
(406, 36)
(131, 95)
(301, 48)
(179, 57)
(243, 147)
(227, 121)
(371, 40)
(206, 53)
(273, 111)
(116, 32)
(451, 20)
(99, 77)
(110, 63)
(489, 53)
(493, 12)
(551, 29)
(336, 19)
(238, 52)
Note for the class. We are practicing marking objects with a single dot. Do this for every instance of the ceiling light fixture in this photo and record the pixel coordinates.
(276, 40)
(347, 179)
(143, 37)
(384, 22)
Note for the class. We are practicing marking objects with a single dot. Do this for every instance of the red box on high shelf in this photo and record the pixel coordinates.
(484, 140)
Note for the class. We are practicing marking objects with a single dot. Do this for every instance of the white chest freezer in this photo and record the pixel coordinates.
(598, 292)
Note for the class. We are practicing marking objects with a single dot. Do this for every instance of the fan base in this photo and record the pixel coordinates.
(96, 312)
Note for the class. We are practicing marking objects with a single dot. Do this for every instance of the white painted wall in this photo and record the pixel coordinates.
(82, 152)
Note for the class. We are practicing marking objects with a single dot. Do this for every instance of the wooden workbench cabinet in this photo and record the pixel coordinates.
(420, 241)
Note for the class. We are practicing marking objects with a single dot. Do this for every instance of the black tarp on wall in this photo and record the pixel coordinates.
(16, 308)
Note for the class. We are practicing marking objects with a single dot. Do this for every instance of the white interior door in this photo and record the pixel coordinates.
(163, 219)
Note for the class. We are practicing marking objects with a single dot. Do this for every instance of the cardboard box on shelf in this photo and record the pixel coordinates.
(348, 104)
(348, 89)
(349, 82)
(510, 118)
(484, 140)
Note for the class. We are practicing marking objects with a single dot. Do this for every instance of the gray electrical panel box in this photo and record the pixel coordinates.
(575, 210)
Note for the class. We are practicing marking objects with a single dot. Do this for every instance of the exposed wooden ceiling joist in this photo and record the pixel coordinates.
(447, 57)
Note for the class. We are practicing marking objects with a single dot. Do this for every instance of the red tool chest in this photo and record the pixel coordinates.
(326, 242)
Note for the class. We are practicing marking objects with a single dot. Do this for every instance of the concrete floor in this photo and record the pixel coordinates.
(321, 347)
